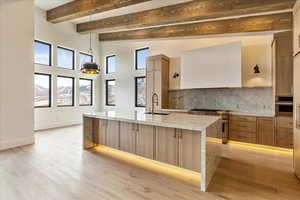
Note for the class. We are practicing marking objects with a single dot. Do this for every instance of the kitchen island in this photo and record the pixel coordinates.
(187, 141)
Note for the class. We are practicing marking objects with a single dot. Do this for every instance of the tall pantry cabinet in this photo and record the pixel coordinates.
(157, 76)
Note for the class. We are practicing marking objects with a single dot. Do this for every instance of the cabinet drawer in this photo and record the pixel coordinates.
(284, 132)
(284, 122)
(243, 136)
(243, 118)
(285, 142)
(242, 126)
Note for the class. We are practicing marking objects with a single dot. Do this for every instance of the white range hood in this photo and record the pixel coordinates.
(212, 67)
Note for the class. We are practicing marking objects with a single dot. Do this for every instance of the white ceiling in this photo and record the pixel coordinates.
(49, 4)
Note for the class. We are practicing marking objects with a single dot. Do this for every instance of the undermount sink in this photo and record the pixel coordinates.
(156, 113)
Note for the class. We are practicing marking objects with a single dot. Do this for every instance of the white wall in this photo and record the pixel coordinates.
(16, 73)
(64, 34)
(124, 50)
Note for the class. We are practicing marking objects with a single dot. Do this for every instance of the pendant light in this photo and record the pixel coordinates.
(90, 67)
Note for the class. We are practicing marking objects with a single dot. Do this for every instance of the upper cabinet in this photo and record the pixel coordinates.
(157, 82)
(282, 49)
(297, 28)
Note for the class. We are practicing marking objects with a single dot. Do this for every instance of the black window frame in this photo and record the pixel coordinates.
(73, 90)
(136, 58)
(50, 52)
(92, 91)
(73, 57)
(106, 92)
(106, 63)
(50, 90)
(136, 89)
(86, 54)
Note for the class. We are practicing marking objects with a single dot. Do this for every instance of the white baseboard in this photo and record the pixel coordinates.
(55, 125)
(4, 145)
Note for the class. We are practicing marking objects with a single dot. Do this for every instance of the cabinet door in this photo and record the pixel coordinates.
(284, 63)
(145, 141)
(189, 150)
(88, 135)
(127, 137)
(166, 145)
(266, 131)
(101, 128)
(112, 134)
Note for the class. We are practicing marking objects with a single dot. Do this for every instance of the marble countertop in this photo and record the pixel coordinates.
(173, 120)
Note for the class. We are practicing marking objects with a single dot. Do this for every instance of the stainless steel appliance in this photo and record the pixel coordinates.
(225, 120)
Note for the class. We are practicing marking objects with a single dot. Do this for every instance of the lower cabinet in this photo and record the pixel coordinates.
(128, 137)
(189, 150)
(101, 127)
(137, 139)
(167, 145)
(112, 134)
(178, 147)
(284, 132)
(266, 131)
(270, 131)
(145, 141)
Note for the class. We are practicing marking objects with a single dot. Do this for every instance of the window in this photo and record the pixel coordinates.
(65, 58)
(42, 90)
(110, 93)
(140, 58)
(140, 91)
(83, 57)
(65, 91)
(85, 92)
(42, 53)
(110, 64)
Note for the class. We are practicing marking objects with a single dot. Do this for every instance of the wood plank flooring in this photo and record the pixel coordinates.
(56, 168)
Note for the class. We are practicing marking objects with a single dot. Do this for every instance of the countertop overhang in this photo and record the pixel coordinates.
(173, 120)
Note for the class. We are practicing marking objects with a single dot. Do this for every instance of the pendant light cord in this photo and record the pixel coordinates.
(91, 50)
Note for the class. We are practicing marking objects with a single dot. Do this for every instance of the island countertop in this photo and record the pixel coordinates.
(172, 120)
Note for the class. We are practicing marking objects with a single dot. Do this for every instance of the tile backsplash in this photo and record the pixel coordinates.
(252, 100)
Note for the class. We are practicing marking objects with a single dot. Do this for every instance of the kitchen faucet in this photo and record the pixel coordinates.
(154, 96)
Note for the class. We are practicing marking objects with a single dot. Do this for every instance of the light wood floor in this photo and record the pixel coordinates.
(56, 168)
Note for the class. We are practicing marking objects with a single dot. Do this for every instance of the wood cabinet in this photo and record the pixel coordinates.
(157, 76)
(284, 132)
(145, 141)
(262, 130)
(242, 128)
(283, 63)
(167, 145)
(189, 150)
(266, 131)
(296, 27)
(112, 134)
(128, 137)
(178, 147)
(137, 139)
(101, 127)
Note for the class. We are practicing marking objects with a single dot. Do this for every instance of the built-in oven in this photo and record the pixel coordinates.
(224, 134)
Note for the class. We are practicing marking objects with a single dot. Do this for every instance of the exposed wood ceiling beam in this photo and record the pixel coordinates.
(180, 13)
(283, 21)
(81, 8)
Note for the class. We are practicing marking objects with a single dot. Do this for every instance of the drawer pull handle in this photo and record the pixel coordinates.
(297, 116)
